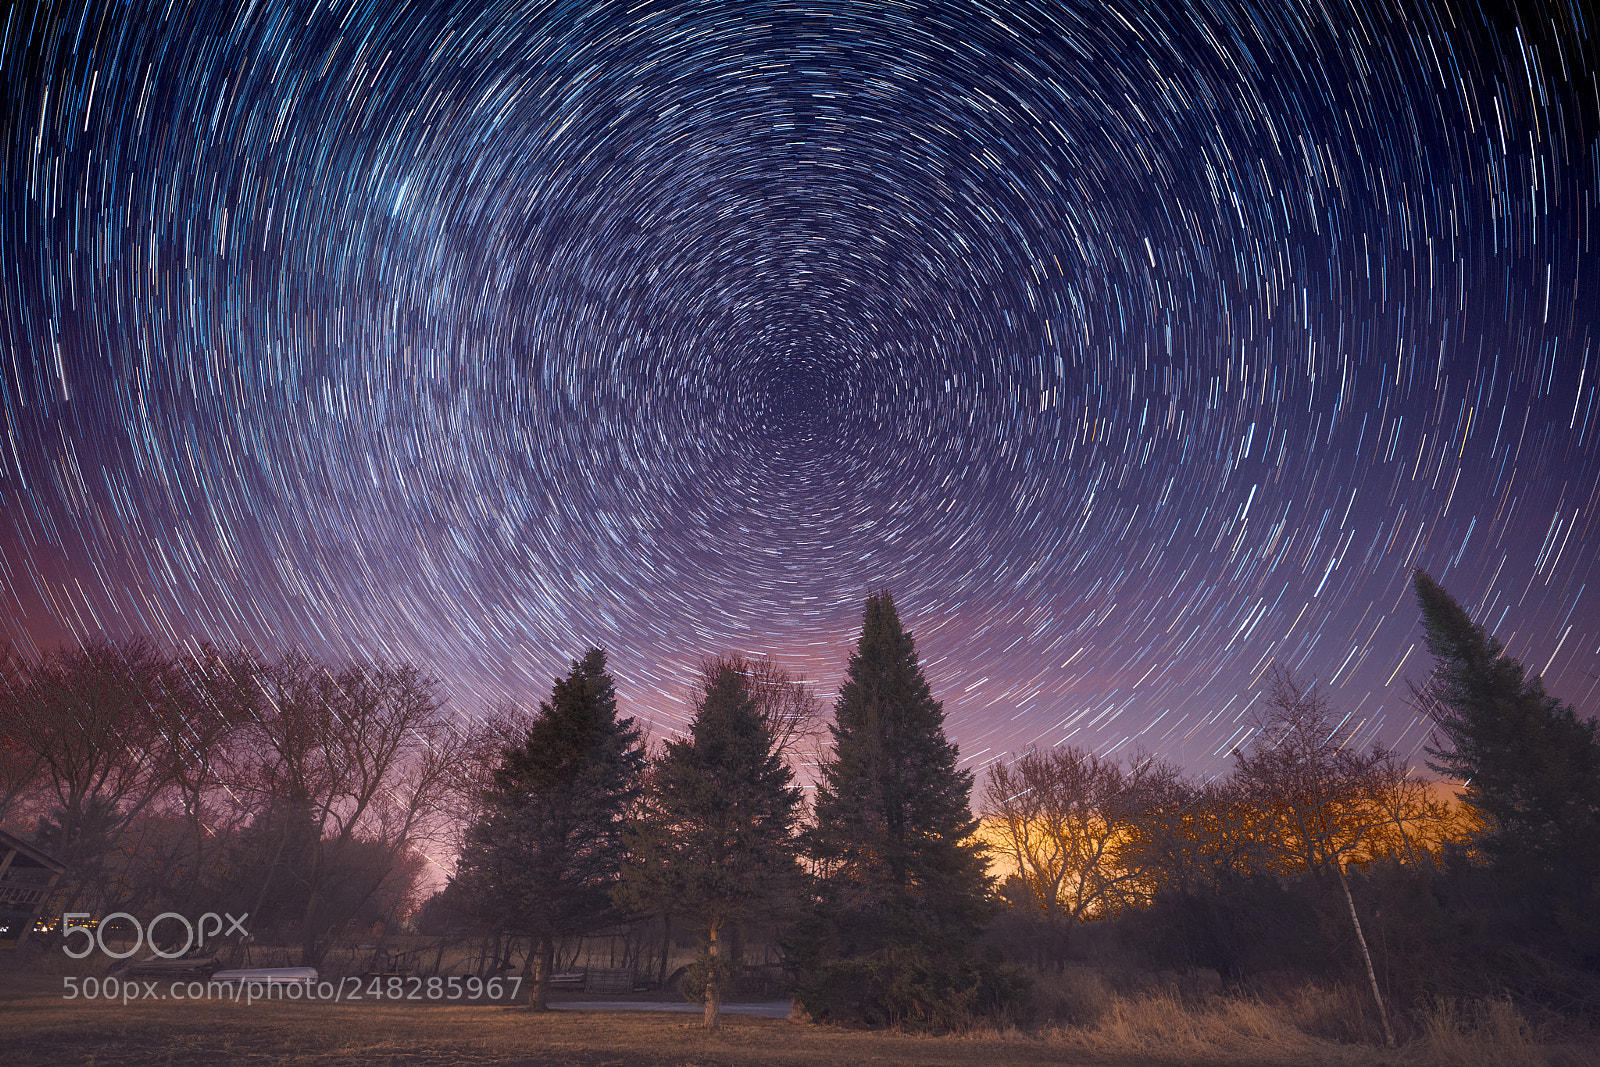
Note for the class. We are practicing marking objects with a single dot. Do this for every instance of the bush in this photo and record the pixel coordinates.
(909, 989)
(1027, 937)
(1072, 996)
(1237, 927)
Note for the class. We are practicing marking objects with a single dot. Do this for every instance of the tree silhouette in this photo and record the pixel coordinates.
(903, 886)
(1071, 823)
(1531, 767)
(546, 854)
(365, 753)
(715, 842)
(1318, 797)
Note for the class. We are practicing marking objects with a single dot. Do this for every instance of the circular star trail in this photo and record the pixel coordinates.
(1133, 346)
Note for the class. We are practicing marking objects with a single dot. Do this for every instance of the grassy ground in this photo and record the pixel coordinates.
(1088, 1025)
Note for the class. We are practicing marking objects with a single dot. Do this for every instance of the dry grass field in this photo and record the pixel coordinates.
(1156, 1027)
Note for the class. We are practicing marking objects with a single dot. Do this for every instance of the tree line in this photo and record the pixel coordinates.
(1313, 856)
(880, 896)
(295, 791)
(308, 793)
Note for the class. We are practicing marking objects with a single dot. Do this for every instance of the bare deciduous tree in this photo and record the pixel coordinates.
(103, 724)
(1319, 797)
(221, 697)
(1067, 818)
(20, 765)
(785, 702)
(365, 756)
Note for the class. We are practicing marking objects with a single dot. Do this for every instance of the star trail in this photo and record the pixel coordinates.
(1134, 346)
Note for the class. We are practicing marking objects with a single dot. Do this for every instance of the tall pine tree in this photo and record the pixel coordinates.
(543, 860)
(903, 888)
(1532, 769)
(715, 840)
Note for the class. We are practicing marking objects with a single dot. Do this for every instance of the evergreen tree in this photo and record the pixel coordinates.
(545, 856)
(1532, 768)
(903, 887)
(715, 843)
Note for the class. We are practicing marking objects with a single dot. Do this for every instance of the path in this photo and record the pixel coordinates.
(767, 1009)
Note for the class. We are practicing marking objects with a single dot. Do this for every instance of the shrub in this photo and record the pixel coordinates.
(914, 990)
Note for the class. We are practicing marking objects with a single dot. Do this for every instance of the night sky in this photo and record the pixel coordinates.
(1133, 346)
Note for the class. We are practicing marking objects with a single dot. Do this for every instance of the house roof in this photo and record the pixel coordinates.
(27, 855)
